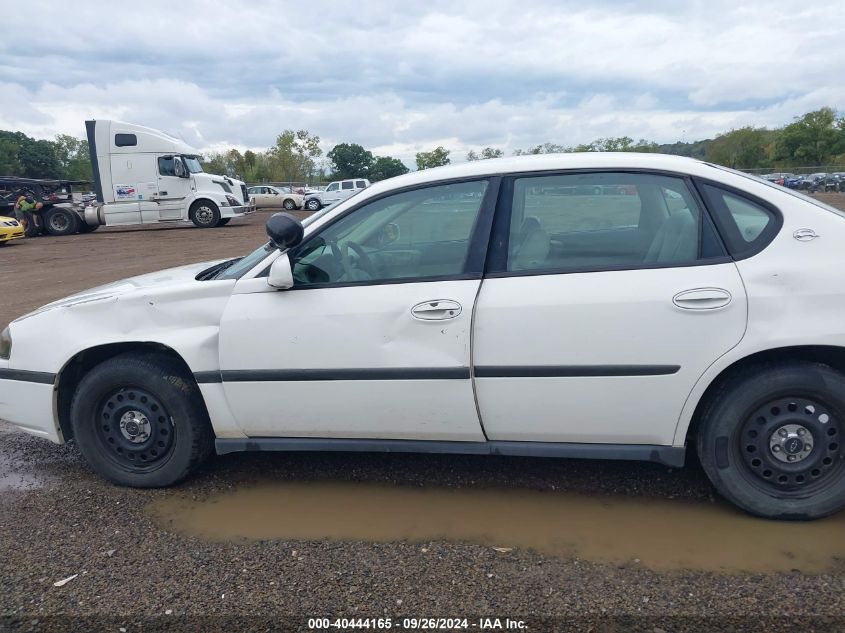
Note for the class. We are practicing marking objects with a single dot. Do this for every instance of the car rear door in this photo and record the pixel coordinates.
(600, 311)
(373, 340)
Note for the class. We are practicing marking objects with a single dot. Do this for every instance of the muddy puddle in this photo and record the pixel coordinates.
(661, 535)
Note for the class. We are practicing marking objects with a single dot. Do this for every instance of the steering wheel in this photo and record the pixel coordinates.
(341, 254)
(364, 261)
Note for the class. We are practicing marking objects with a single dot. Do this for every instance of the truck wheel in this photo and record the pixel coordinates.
(140, 422)
(204, 214)
(223, 221)
(61, 221)
(313, 204)
(84, 227)
(771, 441)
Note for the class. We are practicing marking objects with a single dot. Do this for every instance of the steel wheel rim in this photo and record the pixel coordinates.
(791, 446)
(134, 429)
(204, 214)
(58, 222)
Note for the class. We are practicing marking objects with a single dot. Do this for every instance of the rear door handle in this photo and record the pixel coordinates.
(702, 299)
(436, 310)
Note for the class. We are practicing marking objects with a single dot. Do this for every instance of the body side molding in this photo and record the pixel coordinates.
(667, 455)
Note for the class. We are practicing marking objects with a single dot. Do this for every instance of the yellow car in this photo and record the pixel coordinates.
(10, 229)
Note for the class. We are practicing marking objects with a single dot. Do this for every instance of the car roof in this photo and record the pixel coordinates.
(548, 162)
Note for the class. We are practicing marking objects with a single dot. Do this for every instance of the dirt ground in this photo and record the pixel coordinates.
(267, 541)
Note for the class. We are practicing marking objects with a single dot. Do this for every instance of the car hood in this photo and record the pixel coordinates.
(158, 279)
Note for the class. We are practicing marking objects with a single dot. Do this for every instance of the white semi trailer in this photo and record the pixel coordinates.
(144, 176)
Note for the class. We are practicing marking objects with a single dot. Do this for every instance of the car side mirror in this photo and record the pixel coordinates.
(281, 273)
(284, 231)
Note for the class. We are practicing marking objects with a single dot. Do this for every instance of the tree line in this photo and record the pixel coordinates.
(815, 138)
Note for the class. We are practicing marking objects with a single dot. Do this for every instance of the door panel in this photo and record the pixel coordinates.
(366, 344)
(562, 353)
(622, 322)
(396, 376)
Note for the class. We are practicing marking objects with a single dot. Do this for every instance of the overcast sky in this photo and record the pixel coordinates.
(400, 77)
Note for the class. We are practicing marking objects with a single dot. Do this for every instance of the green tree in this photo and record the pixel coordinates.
(814, 139)
(73, 157)
(487, 152)
(350, 160)
(291, 159)
(386, 167)
(744, 147)
(545, 148)
(435, 158)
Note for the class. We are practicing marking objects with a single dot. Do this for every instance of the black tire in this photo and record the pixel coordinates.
(60, 221)
(766, 416)
(171, 435)
(204, 214)
(223, 221)
(84, 227)
(313, 204)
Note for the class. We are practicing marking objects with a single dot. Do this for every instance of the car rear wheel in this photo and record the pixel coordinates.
(771, 441)
(61, 221)
(139, 421)
(289, 204)
(204, 214)
(313, 205)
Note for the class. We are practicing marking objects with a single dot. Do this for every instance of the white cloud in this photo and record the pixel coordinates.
(398, 78)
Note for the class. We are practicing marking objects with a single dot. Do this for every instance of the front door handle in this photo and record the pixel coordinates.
(702, 299)
(436, 310)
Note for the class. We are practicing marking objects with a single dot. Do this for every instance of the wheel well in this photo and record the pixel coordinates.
(74, 370)
(827, 354)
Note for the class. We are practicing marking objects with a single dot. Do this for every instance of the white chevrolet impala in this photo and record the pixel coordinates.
(617, 306)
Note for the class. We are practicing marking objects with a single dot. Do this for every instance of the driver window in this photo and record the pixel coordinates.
(413, 235)
(332, 187)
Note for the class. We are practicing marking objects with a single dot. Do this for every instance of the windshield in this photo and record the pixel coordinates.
(193, 164)
(245, 264)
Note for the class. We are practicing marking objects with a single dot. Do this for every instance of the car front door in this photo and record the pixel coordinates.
(373, 340)
(331, 194)
(606, 298)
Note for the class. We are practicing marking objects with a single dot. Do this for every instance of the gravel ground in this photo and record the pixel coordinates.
(58, 519)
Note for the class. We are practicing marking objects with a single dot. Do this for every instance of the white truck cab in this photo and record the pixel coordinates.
(335, 192)
(143, 176)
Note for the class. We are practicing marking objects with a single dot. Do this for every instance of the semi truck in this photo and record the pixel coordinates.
(144, 176)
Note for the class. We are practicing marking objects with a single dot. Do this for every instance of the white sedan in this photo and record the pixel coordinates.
(595, 305)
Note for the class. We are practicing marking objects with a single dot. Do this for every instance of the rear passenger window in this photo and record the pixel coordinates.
(360, 184)
(746, 226)
(605, 221)
(347, 184)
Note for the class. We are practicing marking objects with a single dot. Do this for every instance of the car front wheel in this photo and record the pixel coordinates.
(139, 421)
(313, 205)
(771, 441)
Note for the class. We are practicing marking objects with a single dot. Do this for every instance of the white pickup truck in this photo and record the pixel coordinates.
(335, 192)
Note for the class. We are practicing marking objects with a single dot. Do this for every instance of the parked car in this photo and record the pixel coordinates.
(334, 193)
(10, 229)
(467, 309)
(272, 196)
